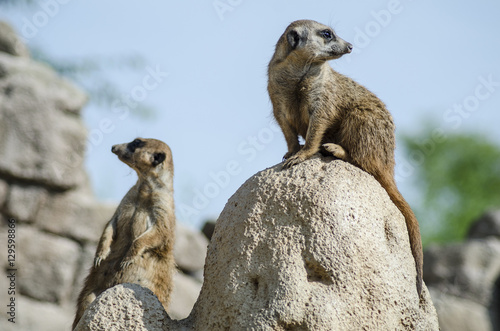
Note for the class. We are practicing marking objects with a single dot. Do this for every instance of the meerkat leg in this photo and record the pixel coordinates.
(315, 132)
(104, 246)
(291, 137)
(336, 150)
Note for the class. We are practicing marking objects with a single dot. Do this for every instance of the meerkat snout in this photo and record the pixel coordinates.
(340, 47)
(349, 47)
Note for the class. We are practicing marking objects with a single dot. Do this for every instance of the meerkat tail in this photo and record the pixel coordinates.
(411, 224)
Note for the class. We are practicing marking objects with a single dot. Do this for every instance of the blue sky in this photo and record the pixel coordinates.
(205, 74)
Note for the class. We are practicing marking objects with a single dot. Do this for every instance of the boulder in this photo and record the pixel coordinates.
(40, 316)
(10, 42)
(4, 191)
(74, 214)
(190, 249)
(43, 142)
(208, 229)
(466, 270)
(316, 247)
(46, 265)
(24, 201)
(124, 307)
(464, 278)
(186, 291)
(457, 314)
(488, 225)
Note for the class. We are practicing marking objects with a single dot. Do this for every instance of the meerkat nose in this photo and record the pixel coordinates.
(113, 149)
(349, 47)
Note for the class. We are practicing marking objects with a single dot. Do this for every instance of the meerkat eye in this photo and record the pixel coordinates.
(327, 34)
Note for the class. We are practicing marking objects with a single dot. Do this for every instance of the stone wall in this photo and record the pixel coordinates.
(45, 192)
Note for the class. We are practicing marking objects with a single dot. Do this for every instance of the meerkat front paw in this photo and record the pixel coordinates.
(99, 258)
(336, 150)
(289, 154)
(127, 261)
(294, 160)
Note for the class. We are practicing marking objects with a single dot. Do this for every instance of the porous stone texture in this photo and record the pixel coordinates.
(316, 247)
(124, 307)
(464, 278)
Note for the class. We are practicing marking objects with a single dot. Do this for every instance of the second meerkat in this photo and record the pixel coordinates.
(137, 244)
(333, 113)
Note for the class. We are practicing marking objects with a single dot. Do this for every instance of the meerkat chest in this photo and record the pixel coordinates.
(133, 222)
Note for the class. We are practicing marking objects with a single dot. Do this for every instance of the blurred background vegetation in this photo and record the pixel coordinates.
(458, 180)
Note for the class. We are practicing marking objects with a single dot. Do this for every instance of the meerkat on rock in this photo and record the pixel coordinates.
(137, 244)
(333, 113)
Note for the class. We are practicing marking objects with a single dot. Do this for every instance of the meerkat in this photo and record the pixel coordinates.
(333, 113)
(137, 244)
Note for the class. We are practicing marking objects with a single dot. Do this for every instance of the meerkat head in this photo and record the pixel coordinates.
(145, 156)
(313, 42)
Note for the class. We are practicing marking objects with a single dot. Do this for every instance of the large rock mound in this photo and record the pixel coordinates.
(316, 247)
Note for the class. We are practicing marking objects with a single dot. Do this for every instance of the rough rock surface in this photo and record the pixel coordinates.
(124, 307)
(464, 278)
(34, 98)
(316, 247)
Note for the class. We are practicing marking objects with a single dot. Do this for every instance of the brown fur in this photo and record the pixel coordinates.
(333, 113)
(137, 243)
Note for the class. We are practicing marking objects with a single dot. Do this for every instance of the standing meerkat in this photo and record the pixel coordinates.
(333, 113)
(137, 244)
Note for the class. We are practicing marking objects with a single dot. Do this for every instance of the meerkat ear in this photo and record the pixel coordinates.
(158, 158)
(295, 39)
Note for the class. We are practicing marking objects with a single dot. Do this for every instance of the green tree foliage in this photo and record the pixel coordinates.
(458, 180)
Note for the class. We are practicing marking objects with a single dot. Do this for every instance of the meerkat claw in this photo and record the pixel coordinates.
(97, 261)
(125, 263)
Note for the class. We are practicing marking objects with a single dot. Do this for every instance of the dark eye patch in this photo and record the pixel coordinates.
(137, 143)
(327, 34)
